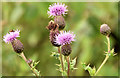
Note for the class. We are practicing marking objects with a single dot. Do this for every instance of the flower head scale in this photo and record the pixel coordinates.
(65, 38)
(57, 9)
(11, 36)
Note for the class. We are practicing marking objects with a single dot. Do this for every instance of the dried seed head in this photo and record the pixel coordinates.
(66, 50)
(105, 29)
(52, 26)
(17, 46)
(60, 21)
(52, 37)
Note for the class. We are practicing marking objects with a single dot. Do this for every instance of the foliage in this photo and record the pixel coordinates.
(83, 18)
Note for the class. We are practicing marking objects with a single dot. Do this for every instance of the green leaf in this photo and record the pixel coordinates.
(33, 65)
(72, 64)
(55, 54)
(64, 73)
(89, 69)
(65, 65)
(111, 53)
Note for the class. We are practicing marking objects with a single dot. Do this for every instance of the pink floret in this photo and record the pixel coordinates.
(11, 36)
(57, 9)
(65, 38)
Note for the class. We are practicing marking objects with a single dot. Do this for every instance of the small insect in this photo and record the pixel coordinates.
(12, 30)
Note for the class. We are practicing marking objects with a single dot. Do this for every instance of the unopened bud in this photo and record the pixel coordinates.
(60, 21)
(52, 37)
(105, 29)
(17, 46)
(66, 49)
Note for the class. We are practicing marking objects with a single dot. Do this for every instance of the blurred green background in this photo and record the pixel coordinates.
(83, 18)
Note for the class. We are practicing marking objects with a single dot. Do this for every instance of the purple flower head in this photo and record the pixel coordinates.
(57, 9)
(11, 36)
(65, 38)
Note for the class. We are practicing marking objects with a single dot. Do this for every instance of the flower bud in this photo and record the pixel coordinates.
(60, 21)
(66, 49)
(105, 29)
(52, 37)
(17, 46)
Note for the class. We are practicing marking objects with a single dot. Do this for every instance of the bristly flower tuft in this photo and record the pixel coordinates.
(57, 9)
(12, 35)
(65, 38)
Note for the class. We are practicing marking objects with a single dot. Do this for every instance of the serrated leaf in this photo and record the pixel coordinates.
(65, 65)
(36, 63)
(56, 55)
(72, 64)
(112, 51)
(84, 65)
(64, 73)
(93, 71)
(58, 65)
(89, 69)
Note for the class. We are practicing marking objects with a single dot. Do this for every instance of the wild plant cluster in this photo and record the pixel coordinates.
(62, 40)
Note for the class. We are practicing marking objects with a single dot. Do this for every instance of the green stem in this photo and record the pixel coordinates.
(61, 60)
(25, 59)
(106, 58)
(68, 66)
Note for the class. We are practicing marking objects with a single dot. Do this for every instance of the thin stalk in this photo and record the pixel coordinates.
(61, 60)
(106, 58)
(25, 59)
(108, 39)
(68, 65)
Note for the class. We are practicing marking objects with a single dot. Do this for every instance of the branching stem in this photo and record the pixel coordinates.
(25, 59)
(68, 66)
(106, 58)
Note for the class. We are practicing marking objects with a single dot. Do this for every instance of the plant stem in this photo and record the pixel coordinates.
(108, 39)
(61, 60)
(25, 59)
(106, 58)
(68, 65)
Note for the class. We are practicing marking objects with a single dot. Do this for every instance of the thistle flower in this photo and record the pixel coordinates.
(57, 9)
(9, 37)
(105, 29)
(16, 44)
(65, 38)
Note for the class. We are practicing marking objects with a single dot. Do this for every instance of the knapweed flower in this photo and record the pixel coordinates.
(57, 9)
(9, 37)
(105, 29)
(65, 38)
